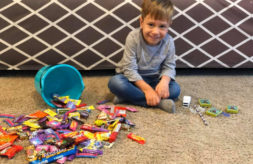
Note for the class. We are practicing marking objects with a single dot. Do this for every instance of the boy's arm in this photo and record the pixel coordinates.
(151, 96)
(168, 67)
(162, 87)
(168, 72)
(128, 64)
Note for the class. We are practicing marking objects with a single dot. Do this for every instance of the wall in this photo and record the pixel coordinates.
(90, 34)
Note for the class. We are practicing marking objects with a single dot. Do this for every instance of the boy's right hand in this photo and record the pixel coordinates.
(152, 98)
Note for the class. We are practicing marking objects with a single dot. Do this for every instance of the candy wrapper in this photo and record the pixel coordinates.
(7, 116)
(7, 138)
(92, 128)
(38, 114)
(102, 136)
(11, 151)
(53, 156)
(136, 138)
(5, 145)
(9, 122)
(31, 153)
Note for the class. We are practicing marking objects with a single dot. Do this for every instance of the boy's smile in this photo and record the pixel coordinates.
(153, 30)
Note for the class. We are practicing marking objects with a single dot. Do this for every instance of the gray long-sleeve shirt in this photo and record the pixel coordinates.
(140, 59)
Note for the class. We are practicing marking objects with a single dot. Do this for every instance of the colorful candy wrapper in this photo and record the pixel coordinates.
(53, 156)
(71, 157)
(42, 147)
(81, 105)
(70, 105)
(73, 125)
(51, 131)
(88, 134)
(9, 122)
(72, 134)
(50, 112)
(80, 138)
(7, 116)
(36, 141)
(11, 151)
(67, 113)
(76, 102)
(85, 155)
(119, 111)
(136, 138)
(91, 107)
(38, 114)
(102, 102)
(5, 145)
(53, 124)
(96, 152)
(111, 126)
(131, 109)
(17, 119)
(84, 114)
(103, 107)
(53, 148)
(102, 136)
(77, 120)
(67, 142)
(101, 122)
(62, 160)
(92, 128)
(62, 110)
(31, 153)
(74, 114)
(2, 132)
(115, 132)
(102, 116)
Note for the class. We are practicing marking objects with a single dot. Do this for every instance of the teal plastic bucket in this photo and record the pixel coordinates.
(61, 79)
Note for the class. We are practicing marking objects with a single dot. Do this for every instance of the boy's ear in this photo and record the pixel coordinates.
(141, 21)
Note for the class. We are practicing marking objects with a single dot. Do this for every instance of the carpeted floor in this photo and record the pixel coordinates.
(170, 138)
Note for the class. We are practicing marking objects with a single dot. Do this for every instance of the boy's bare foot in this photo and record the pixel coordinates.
(167, 105)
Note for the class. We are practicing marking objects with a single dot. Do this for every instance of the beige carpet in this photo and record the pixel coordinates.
(170, 138)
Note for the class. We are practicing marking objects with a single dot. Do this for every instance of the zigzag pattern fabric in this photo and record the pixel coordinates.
(90, 34)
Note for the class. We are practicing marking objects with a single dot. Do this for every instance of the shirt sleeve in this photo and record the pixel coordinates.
(128, 63)
(169, 65)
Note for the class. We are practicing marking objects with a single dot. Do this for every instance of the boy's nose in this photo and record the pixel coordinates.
(155, 30)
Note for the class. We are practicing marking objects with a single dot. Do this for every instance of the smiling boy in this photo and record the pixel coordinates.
(146, 73)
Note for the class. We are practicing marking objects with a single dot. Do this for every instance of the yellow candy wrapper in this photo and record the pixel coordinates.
(50, 112)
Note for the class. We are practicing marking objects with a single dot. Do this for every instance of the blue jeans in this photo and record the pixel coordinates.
(129, 93)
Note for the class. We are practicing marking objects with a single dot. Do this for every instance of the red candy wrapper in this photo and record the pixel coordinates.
(136, 138)
(11, 151)
(38, 114)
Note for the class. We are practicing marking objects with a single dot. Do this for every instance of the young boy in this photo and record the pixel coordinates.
(146, 73)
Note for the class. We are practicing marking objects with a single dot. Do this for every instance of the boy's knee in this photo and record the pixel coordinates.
(175, 91)
(116, 81)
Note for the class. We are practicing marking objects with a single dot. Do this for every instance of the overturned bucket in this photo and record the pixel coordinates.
(61, 79)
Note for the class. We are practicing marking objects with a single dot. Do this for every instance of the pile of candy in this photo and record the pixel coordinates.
(62, 135)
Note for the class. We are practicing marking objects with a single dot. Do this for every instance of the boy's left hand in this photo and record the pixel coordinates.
(162, 87)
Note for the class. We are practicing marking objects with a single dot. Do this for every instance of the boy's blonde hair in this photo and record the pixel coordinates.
(158, 9)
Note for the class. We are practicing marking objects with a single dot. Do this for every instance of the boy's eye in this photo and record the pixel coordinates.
(163, 26)
(151, 24)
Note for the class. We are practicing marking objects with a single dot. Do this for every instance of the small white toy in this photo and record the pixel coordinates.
(187, 101)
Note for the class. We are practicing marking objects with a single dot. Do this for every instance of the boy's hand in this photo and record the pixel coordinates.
(152, 98)
(162, 87)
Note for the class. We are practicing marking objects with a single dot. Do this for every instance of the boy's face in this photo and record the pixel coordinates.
(153, 30)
